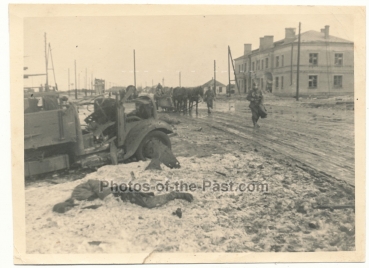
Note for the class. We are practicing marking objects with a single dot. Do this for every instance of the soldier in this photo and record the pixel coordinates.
(256, 98)
(209, 96)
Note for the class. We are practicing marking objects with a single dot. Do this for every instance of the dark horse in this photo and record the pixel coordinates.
(193, 95)
(180, 99)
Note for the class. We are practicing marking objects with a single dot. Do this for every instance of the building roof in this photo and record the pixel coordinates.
(314, 36)
(308, 37)
(211, 83)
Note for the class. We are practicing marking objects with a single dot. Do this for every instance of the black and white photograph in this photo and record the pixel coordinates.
(191, 130)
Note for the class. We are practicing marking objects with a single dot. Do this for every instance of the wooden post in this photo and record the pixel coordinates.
(46, 66)
(86, 83)
(134, 66)
(298, 64)
(215, 79)
(75, 79)
(229, 76)
(68, 83)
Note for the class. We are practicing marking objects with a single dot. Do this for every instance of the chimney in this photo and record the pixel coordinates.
(290, 35)
(326, 36)
(322, 30)
(261, 46)
(246, 49)
(268, 41)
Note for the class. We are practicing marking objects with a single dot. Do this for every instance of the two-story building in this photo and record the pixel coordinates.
(326, 64)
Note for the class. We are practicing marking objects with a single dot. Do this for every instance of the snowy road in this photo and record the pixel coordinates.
(321, 140)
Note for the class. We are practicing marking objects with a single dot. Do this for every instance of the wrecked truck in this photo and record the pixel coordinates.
(55, 138)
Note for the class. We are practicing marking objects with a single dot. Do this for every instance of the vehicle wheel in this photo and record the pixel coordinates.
(145, 149)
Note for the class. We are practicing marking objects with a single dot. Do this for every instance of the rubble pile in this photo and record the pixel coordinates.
(279, 218)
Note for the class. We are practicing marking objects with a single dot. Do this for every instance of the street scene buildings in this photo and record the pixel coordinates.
(326, 64)
(186, 134)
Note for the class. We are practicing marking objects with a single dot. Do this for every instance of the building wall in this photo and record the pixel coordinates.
(325, 70)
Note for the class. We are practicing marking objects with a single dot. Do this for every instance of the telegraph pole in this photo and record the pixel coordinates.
(298, 64)
(75, 79)
(215, 78)
(68, 83)
(229, 76)
(134, 66)
(46, 66)
(86, 83)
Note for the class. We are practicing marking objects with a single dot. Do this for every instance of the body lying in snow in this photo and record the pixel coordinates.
(91, 190)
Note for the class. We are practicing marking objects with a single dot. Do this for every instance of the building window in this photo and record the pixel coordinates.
(258, 65)
(313, 81)
(266, 63)
(338, 59)
(245, 67)
(253, 66)
(337, 81)
(281, 82)
(277, 61)
(313, 58)
(276, 82)
(262, 64)
(282, 61)
(220, 89)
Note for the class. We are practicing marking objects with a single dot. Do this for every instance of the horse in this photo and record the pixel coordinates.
(179, 97)
(194, 95)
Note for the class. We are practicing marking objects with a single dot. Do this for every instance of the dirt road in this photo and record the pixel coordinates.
(317, 139)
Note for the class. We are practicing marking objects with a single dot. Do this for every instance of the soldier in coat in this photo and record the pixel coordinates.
(209, 96)
(256, 98)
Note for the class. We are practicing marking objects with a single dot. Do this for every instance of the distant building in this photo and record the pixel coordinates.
(220, 88)
(326, 64)
(99, 86)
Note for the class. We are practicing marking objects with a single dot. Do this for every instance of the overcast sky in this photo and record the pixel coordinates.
(164, 45)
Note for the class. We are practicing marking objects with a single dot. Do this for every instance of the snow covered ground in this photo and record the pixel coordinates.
(280, 219)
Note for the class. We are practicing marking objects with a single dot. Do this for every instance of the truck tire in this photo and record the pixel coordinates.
(144, 150)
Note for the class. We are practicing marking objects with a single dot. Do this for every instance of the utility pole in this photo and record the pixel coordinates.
(86, 83)
(75, 79)
(229, 76)
(134, 66)
(298, 64)
(46, 66)
(215, 79)
(179, 78)
(68, 83)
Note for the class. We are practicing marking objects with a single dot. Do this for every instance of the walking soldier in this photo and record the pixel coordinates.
(256, 99)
